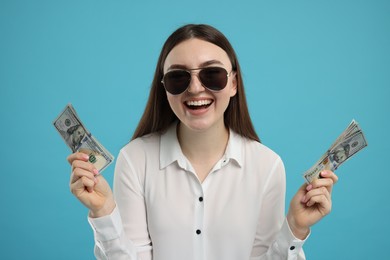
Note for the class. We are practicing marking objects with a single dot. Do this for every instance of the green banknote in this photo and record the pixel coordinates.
(351, 141)
(79, 139)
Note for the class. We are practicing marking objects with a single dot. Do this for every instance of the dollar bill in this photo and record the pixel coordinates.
(351, 141)
(79, 139)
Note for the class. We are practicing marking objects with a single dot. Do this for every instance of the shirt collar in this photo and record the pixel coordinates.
(170, 150)
(234, 147)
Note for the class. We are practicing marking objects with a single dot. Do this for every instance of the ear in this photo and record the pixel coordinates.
(233, 87)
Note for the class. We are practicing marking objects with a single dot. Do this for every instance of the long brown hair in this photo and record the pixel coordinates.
(158, 115)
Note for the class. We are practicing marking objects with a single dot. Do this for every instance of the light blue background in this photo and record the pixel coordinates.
(310, 67)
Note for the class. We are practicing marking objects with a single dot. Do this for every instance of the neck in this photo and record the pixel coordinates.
(203, 145)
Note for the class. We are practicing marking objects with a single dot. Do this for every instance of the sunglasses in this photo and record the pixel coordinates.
(212, 78)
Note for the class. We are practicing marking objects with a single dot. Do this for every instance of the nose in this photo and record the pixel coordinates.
(195, 85)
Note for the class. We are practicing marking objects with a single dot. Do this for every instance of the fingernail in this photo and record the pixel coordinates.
(324, 173)
(309, 187)
(86, 156)
(303, 199)
(95, 171)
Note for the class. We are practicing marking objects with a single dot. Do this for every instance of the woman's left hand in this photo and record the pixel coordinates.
(310, 204)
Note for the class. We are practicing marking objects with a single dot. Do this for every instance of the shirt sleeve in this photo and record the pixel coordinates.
(287, 245)
(274, 239)
(114, 238)
(110, 241)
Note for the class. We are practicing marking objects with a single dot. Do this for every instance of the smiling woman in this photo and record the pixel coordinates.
(195, 182)
(208, 64)
(236, 115)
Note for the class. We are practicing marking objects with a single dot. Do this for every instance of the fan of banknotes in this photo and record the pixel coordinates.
(78, 138)
(350, 142)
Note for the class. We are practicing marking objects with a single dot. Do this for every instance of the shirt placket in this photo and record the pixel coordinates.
(199, 231)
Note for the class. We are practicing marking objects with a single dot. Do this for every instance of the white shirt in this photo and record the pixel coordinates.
(165, 213)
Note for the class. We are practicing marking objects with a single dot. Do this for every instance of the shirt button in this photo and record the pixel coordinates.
(292, 247)
(200, 199)
(198, 231)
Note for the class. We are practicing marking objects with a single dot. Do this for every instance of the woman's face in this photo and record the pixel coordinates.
(199, 108)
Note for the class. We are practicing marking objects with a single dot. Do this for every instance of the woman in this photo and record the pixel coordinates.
(195, 182)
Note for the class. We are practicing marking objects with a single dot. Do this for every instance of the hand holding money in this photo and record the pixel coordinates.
(89, 186)
(350, 142)
(79, 139)
(88, 160)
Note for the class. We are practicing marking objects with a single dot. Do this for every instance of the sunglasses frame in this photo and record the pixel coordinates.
(189, 72)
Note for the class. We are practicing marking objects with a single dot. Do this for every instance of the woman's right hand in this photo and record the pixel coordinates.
(89, 186)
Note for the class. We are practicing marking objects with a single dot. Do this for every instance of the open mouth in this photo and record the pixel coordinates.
(198, 104)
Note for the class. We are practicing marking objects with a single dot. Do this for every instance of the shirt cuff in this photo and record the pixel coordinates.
(108, 227)
(287, 243)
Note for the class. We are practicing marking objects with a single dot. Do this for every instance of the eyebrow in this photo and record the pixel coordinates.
(204, 64)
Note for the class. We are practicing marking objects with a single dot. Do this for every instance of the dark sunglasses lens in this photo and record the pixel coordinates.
(177, 81)
(213, 78)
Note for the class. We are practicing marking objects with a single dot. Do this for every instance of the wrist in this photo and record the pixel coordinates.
(300, 232)
(106, 210)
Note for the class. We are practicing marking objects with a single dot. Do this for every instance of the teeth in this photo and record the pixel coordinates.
(199, 103)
